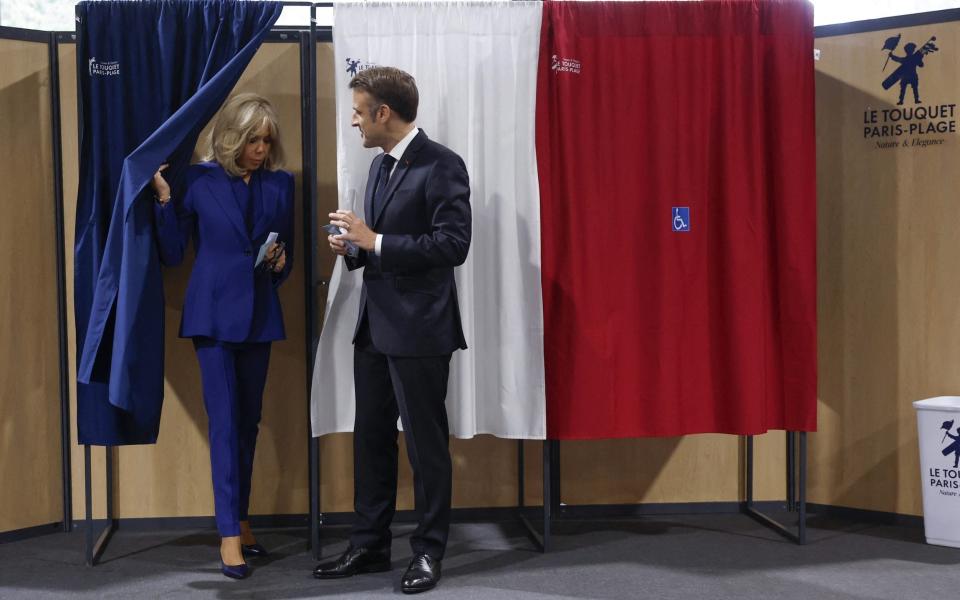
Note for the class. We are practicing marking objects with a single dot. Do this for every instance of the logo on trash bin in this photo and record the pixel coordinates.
(954, 446)
(947, 478)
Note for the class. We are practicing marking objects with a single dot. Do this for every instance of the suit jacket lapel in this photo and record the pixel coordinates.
(403, 165)
(265, 195)
(222, 192)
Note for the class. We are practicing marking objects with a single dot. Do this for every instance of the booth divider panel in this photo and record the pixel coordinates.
(30, 472)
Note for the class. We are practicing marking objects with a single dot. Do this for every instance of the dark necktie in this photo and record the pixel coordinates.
(382, 178)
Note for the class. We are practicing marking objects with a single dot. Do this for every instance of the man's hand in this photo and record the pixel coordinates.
(337, 245)
(357, 232)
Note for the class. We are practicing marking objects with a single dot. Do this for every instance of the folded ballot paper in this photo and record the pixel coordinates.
(352, 249)
(271, 239)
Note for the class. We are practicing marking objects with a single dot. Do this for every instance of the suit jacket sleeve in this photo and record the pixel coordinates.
(175, 223)
(447, 243)
(356, 262)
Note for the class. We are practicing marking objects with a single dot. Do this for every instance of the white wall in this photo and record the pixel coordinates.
(827, 12)
(57, 15)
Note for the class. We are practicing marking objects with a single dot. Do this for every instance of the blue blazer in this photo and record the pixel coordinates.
(227, 299)
(409, 293)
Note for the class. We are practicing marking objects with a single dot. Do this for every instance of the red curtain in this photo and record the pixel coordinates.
(644, 110)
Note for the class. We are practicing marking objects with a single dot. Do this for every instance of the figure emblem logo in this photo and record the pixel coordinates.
(954, 446)
(353, 66)
(906, 73)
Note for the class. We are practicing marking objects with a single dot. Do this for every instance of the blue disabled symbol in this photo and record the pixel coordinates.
(681, 218)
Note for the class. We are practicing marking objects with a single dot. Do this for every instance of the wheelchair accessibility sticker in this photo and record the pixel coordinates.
(681, 218)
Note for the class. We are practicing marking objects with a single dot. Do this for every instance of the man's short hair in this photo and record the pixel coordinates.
(391, 86)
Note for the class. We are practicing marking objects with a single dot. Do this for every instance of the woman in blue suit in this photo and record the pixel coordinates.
(233, 202)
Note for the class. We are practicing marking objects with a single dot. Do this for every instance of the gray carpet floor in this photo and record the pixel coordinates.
(700, 556)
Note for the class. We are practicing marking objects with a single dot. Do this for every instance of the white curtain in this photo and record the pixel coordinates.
(476, 68)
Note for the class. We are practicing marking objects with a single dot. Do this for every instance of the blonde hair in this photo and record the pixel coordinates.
(239, 118)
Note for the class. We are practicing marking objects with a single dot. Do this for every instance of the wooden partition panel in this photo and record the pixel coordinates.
(888, 247)
(30, 467)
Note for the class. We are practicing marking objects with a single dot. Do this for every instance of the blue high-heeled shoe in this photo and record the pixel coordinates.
(235, 571)
(254, 550)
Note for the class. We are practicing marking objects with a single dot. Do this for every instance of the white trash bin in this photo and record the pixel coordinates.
(938, 430)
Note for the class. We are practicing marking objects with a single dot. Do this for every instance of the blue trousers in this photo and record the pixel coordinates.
(233, 377)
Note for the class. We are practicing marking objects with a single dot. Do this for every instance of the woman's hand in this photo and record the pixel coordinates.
(161, 189)
(277, 256)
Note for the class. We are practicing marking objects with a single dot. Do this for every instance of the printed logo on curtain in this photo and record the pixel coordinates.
(109, 68)
(565, 65)
(476, 69)
(354, 66)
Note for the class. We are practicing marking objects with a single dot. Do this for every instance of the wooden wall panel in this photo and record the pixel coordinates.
(30, 470)
(889, 316)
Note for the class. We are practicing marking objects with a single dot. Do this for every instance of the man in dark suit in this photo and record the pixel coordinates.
(417, 230)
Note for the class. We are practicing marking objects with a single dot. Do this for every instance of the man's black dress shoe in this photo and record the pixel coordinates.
(254, 550)
(353, 562)
(422, 574)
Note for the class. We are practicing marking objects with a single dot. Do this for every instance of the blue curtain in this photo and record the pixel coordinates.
(152, 74)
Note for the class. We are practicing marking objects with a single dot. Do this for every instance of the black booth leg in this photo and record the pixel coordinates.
(308, 111)
(315, 516)
(791, 471)
(551, 492)
(535, 536)
(802, 504)
(96, 549)
(88, 507)
(800, 488)
(548, 493)
(521, 475)
(551, 489)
